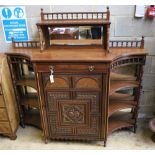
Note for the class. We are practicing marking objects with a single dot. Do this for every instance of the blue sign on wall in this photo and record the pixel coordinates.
(14, 23)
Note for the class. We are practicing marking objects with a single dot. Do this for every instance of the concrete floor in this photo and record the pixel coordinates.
(31, 138)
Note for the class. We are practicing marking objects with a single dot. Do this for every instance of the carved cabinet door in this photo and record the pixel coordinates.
(73, 106)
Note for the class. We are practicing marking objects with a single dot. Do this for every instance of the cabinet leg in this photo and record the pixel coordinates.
(132, 110)
(153, 138)
(105, 143)
(135, 128)
(45, 140)
(13, 137)
(22, 124)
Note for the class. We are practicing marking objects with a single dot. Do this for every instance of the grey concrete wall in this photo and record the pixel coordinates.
(124, 26)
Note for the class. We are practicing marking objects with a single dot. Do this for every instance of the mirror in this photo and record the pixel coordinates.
(82, 35)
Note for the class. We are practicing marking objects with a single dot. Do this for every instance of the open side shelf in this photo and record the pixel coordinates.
(117, 125)
(27, 82)
(119, 105)
(120, 120)
(118, 85)
(117, 76)
(120, 96)
(32, 117)
(30, 102)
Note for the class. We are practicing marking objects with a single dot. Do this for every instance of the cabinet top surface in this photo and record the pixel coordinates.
(75, 53)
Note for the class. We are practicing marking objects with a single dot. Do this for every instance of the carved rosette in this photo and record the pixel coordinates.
(73, 114)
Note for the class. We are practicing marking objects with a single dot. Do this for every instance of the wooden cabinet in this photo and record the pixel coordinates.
(9, 119)
(73, 103)
(84, 92)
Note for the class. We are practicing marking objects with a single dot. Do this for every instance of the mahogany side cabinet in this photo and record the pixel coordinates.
(77, 92)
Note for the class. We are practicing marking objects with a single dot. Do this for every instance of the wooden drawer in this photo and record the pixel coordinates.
(87, 68)
(3, 115)
(1, 102)
(5, 127)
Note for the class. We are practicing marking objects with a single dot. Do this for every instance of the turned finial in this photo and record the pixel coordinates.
(42, 14)
(108, 13)
(142, 42)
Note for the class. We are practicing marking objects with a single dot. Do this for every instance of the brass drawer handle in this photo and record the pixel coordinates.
(91, 68)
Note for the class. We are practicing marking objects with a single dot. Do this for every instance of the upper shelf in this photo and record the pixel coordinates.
(70, 19)
(74, 18)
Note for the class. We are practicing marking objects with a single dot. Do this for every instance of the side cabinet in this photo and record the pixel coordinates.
(74, 106)
(9, 118)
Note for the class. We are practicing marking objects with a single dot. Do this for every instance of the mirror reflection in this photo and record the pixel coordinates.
(75, 35)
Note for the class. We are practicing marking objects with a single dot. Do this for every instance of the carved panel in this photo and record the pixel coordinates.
(59, 82)
(52, 98)
(54, 126)
(73, 114)
(93, 130)
(87, 82)
(73, 117)
(93, 96)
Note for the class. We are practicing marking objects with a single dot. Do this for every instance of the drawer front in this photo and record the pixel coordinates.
(87, 68)
(5, 127)
(3, 115)
(1, 102)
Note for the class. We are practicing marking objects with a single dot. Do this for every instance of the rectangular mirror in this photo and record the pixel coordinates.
(81, 35)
